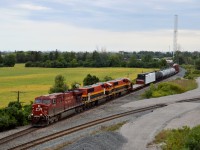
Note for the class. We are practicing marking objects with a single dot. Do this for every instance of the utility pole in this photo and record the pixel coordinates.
(18, 94)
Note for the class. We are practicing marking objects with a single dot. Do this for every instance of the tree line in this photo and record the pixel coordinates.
(58, 59)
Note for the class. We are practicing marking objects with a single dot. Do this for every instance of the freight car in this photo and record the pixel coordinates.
(49, 108)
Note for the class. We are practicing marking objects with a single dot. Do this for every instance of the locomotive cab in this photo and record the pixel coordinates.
(40, 107)
(40, 111)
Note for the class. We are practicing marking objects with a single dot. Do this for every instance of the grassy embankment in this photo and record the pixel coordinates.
(169, 88)
(37, 81)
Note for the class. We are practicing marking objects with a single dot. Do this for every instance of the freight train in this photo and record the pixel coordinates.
(50, 108)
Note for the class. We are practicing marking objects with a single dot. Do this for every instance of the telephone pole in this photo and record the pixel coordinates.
(18, 94)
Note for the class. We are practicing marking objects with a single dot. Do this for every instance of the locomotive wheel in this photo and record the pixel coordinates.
(96, 103)
(77, 109)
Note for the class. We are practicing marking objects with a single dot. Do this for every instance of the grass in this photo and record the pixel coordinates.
(184, 138)
(169, 88)
(187, 84)
(113, 127)
(37, 81)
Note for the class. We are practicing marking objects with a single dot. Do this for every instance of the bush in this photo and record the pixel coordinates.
(107, 78)
(15, 104)
(163, 89)
(180, 139)
(14, 115)
(193, 139)
(176, 138)
(75, 85)
(59, 85)
(89, 80)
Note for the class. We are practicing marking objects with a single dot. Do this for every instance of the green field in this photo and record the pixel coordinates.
(37, 81)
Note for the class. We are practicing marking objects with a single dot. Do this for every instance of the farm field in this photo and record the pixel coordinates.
(37, 81)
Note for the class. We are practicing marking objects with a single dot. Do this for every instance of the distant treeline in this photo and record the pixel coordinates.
(57, 59)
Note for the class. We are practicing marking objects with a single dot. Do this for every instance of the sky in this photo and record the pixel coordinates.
(87, 25)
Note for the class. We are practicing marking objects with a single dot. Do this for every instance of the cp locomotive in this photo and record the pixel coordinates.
(50, 108)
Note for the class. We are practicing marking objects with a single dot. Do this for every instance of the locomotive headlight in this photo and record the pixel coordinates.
(40, 114)
(31, 114)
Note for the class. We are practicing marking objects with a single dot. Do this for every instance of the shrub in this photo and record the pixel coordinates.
(107, 78)
(14, 115)
(75, 85)
(15, 104)
(193, 139)
(163, 89)
(59, 85)
(180, 139)
(89, 80)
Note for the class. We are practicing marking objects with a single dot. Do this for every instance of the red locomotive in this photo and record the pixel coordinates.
(49, 108)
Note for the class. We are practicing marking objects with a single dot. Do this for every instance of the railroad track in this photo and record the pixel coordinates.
(189, 100)
(81, 127)
(16, 135)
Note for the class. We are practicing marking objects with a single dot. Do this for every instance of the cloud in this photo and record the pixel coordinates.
(29, 35)
(32, 7)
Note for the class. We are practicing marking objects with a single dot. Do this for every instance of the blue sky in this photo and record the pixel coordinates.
(114, 25)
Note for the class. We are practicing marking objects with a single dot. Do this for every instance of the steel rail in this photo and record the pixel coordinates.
(81, 127)
(16, 135)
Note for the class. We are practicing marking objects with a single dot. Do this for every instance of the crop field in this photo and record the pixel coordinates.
(34, 82)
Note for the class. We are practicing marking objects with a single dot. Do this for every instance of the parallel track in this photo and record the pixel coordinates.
(16, 135)
(189, 100)
(81, 127)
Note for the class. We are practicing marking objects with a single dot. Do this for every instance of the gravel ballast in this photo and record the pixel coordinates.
(101, 141)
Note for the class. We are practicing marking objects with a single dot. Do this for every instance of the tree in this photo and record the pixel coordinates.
(197, 64)
(75, 85)
(1, 59)
(20, 57)
(163, 63)
(89, 80)
(9, 60)
(59, 85)
(107, 78)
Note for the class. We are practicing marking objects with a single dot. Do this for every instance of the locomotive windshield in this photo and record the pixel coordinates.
(46, 101)
(39, 101)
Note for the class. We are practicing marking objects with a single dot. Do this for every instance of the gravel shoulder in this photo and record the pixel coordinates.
(143, 130)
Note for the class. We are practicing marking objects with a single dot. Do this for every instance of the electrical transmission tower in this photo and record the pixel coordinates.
(175, 34)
